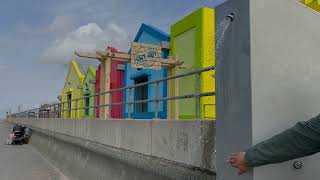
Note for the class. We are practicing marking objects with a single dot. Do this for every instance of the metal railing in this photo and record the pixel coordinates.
(66, 110)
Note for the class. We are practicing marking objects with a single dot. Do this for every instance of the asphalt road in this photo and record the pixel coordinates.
(22, 162)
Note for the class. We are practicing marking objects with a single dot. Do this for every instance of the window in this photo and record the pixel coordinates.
(141, 93)
(69, 98)
(86, 104)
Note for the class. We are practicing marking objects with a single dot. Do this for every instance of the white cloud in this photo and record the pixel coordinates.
(90, 37)
(61, 24)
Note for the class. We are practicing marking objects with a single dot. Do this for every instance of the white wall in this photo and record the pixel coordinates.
(285, 76)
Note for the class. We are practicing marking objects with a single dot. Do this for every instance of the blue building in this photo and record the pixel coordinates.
(148, 35)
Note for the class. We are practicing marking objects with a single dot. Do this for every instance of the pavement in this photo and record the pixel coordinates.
(23, 161)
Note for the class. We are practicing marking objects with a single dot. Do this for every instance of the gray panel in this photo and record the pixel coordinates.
(267, 80)
(285, 74)
(233, 88)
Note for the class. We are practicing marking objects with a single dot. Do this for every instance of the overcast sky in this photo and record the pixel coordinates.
(38, 38)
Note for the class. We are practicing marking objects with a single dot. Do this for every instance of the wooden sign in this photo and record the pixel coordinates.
(145, 56)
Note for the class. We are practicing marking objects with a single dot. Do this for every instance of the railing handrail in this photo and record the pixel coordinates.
(197, 95)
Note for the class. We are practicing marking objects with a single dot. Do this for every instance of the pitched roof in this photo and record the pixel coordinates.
(92, 70)
(85, 63)
(159, 34)
(162, 36)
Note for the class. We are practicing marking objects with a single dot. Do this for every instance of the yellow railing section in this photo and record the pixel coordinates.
(314, 4)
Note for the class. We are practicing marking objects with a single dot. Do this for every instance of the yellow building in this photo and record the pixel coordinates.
(314, 4)
(193, 41)
(73, 89)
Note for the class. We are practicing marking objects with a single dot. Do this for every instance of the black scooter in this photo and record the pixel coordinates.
(18, 137)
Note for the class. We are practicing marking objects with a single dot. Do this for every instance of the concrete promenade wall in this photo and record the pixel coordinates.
(172, 149)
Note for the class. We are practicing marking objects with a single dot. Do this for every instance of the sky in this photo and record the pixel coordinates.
(38, 38)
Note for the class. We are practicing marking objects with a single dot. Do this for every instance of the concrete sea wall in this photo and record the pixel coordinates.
(113, 149)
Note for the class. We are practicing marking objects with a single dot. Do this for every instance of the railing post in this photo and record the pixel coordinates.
(198, 96)
(56, 111)
(110, 106)
(53, 113)
(94, 105)
(62, 109)
(50, 111)
(76, 109)
(69, 108)
(157, 100)
(99, 106)
(129, 104)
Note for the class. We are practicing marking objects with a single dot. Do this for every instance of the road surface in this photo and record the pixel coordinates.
(22, 162)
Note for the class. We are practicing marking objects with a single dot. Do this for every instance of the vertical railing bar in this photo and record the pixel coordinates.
(129, 104)
(76, 109)
(110, 106)
(100, 100)
(50, 111)
(94, 106)
(69, 108)
(62, 109)
(53, 113)
(198, 96)
(84, 106)
(56, 111)
(157, 100)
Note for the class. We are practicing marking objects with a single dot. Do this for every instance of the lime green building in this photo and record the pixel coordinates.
(193, 41)
(89, 90)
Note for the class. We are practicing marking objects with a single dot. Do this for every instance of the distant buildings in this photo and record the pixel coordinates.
(74, 88)
(191, 40)
(149, 35)
(89, 86)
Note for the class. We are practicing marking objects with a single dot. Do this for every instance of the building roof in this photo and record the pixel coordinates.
(85, 63)
(159, 34)
(152, 30)
(90, 70)
(80, 67)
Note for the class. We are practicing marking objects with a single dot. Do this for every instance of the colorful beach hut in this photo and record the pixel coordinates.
(72, 90)
(149, 35)
(116, 82)
(193, 41)
(88, 91)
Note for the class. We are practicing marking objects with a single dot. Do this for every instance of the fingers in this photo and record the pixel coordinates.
(231, 158)
(242, 171)
(236, 160)
(232, 161)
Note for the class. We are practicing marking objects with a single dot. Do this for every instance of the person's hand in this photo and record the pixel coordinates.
(237, 160)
